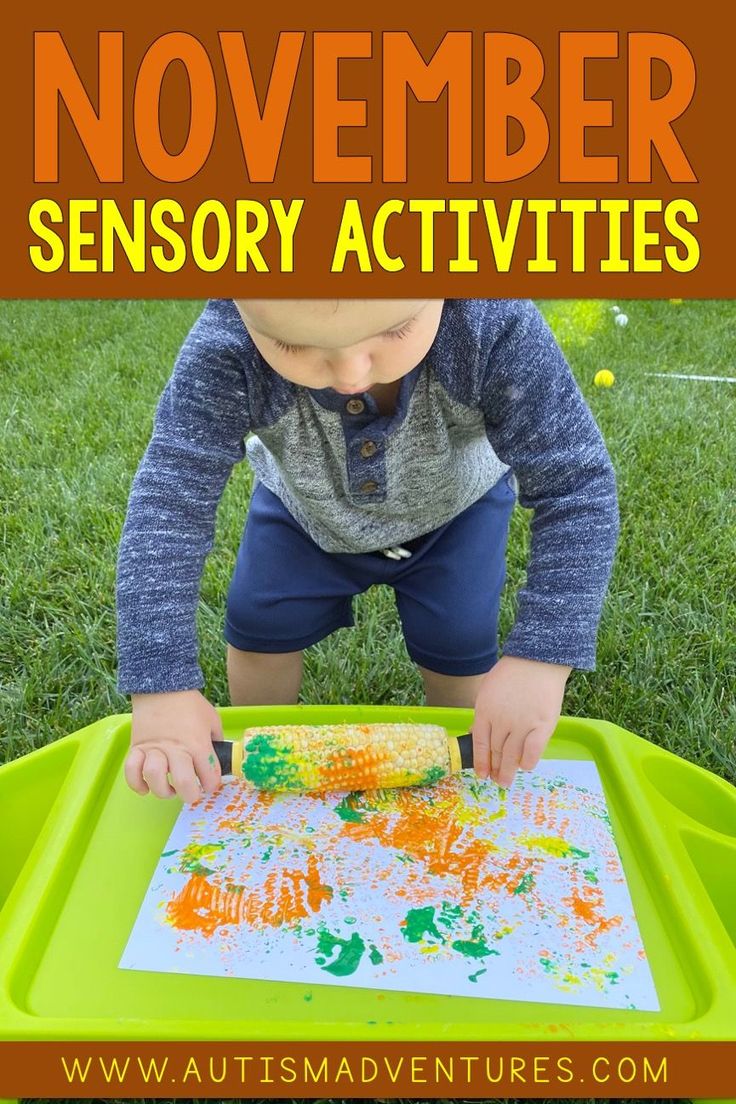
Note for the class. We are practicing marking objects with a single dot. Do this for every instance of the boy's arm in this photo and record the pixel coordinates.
(538, 423)
(201, 421)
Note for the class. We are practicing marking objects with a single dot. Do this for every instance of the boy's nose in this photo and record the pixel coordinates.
(350, 368)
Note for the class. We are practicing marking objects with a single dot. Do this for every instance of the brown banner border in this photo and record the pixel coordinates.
(350, 84)
(311, 1070)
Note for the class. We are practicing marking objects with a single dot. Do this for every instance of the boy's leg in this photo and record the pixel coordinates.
(263, 678)
(450, 691)
(285, 594)
(448, 596)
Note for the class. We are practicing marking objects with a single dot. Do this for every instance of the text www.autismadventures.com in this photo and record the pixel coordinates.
(264, 1070)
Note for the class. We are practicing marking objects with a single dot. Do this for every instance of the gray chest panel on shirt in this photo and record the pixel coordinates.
(357, 480)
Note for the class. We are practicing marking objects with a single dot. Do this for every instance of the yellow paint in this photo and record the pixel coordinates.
(475, 814)
(553, 845)
(598, 976)
(502, 932)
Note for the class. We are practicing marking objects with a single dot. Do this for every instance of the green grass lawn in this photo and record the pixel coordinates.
(78, 386)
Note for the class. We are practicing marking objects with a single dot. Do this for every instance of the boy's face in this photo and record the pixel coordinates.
(350, 347)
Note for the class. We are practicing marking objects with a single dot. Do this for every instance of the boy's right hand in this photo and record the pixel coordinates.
(172, 734)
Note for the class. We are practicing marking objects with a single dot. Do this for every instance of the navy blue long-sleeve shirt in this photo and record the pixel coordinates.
(494, 391)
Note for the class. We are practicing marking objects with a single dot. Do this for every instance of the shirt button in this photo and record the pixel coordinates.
(369, 488)
(368, 449)
(355, 406)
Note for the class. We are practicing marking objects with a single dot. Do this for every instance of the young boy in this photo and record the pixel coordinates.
(388, 439)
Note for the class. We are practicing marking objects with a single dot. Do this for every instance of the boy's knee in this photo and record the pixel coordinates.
(264, 660)
(264, 678)
(450, 691)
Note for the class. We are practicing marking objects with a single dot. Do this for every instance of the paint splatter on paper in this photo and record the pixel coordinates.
(458, 888)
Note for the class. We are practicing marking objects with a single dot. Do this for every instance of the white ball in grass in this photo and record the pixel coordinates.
(622, 319)
(616, 310)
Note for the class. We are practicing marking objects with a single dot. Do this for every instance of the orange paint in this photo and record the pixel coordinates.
(420, 839)
(585, 906)
(352, 768)
(433, 836)
(286, 896)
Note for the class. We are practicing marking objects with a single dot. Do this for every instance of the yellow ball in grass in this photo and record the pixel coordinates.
(604, 378)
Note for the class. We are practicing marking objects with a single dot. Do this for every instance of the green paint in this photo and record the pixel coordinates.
(211, 760)
(472, 949)
(346, 811)
(434, 774)
(612, 974)
(267, 853)
(350, 920)
(590, 876)
(350, 953)
(308, 996)
(548, 965)
(476, 946)
(474, 977)
(270, 766)
(344, 893)
(525, 885)
(166, 854)
(418, 923)
(193, 856)
(449, 914)
(376, 958)
(479, 788)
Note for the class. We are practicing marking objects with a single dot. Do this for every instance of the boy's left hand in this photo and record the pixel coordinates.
(516, 710)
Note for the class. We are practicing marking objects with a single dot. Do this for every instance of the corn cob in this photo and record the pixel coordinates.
(344, 756)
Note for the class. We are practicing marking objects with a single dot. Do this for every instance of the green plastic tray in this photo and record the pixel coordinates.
(78, 849)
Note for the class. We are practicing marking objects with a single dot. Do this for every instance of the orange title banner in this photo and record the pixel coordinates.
(363, 1070)
(394, 151)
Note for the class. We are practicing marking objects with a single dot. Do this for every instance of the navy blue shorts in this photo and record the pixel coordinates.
(287, 593)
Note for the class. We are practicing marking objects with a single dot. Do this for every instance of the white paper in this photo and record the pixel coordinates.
(458, 888)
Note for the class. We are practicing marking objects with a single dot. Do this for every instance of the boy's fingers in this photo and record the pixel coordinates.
(510, 757)
(183, 777)
(155, 769)
(498, 743)
(208, 769)
(481, 747)
(534, 745)
(216, 726)
(134, 770)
